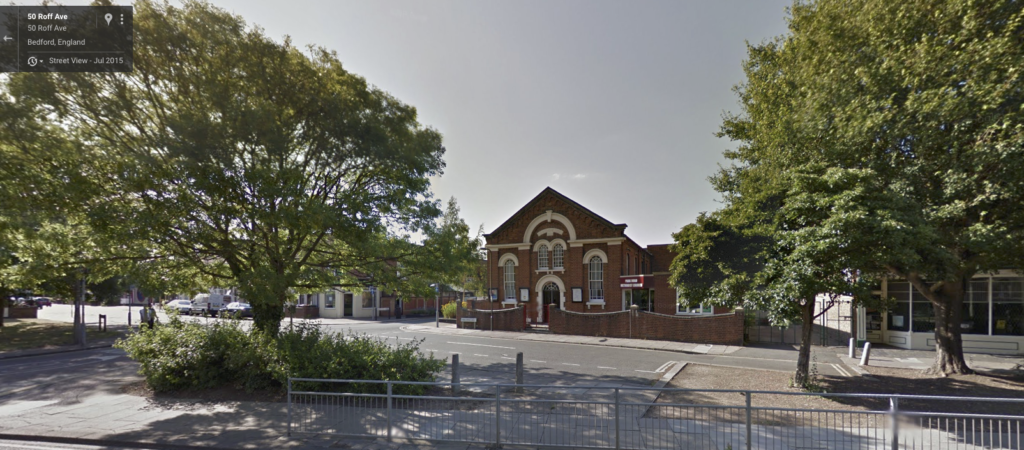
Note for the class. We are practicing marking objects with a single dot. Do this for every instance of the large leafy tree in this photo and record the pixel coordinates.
(890, 134)
(260, 165)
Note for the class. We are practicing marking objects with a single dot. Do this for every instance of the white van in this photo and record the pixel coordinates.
(209, 304)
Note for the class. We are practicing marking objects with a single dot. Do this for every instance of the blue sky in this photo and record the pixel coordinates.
(613, 103)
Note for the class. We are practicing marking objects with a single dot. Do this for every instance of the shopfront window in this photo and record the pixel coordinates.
(1008, 306)
(975, 313)
(924, 313)
(899, 315)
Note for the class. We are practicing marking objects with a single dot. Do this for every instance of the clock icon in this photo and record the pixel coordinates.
(32, 61)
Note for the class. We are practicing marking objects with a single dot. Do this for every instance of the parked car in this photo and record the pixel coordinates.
(238, 309)
(183, 307)
(43, 301)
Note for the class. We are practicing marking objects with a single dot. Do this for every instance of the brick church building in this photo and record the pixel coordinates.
(554, 251)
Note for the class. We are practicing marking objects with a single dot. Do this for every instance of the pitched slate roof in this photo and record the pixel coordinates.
(560, 196)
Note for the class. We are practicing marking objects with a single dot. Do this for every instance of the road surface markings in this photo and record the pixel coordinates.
(664, 367)
(9, 444)
(485, 356)
(645, 371)
(456, 353)
(841, 370)
(536, 361)
(609, 368)
(429, 350)
(507, 357)
(570, 364)
(482, 345)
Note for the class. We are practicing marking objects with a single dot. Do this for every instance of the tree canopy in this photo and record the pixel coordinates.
(883, 139)
(248, 160)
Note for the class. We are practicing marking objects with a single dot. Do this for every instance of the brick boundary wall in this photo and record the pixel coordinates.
(721, 329)
(510, 319)
(303, 312)
(22, 312)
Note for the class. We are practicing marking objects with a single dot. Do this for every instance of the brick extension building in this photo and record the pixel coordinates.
(555, 251)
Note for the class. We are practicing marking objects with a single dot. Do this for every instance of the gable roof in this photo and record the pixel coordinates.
(560, 196)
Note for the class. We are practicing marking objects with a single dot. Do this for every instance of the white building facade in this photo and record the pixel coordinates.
(993, 316)
(339, 303)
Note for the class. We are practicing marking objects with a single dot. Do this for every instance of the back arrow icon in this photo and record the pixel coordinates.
(7, 38)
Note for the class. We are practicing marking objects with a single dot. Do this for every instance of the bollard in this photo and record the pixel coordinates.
(455, 372)
(867, 354)
(102, 325)
(853, 348)
(519, 372)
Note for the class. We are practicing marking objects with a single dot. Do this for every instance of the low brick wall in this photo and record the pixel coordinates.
(510, 319)
(722, 329)
(303, 312)
(23, 312)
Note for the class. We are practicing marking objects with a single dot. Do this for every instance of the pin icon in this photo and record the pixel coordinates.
(108, 16)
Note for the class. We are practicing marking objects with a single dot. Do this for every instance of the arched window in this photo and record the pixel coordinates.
(510, 280)
(542, 258)
(596, 278)
(559, 256)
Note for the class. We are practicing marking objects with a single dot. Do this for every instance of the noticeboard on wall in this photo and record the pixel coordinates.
(494, 294)
(524, 294)
(577, 294)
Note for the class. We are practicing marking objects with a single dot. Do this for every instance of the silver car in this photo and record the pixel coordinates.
(183, 307)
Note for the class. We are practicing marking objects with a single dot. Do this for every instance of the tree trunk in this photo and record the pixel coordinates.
(949, 347)
(268, 312)
(803, 362)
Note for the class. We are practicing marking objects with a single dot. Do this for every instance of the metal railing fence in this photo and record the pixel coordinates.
(634, 418)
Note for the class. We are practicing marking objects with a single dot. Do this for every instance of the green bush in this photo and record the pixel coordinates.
(185, 355)
(448, 310)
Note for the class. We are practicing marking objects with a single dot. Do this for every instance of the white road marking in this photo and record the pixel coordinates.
(841, 370)
(609, 368)
(506, 357)
(534, 360)
(569, 364)
(429, 350)
(482, 345)
(645, 371)
(477, 354)
(8, 444)
(457, 353)
(664, 367)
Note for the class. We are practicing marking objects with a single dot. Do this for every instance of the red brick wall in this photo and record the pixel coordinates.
(304, 312)
(726, 329)
(510, 319)
(22, 312)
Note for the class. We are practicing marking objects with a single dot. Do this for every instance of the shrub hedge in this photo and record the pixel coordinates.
(184, 355)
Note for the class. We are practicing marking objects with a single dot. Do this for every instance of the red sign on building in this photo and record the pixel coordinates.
(635, 281)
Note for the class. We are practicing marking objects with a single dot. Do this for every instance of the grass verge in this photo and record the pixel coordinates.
(26, 334)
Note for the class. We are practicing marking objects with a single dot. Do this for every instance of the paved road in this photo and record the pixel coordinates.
(584, 362)
(493, 360)
(35, 445)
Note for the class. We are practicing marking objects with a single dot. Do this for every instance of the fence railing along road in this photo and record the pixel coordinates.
(632, 418)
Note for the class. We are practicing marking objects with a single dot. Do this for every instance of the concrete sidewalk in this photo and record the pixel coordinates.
(681, 347)
(919, 360)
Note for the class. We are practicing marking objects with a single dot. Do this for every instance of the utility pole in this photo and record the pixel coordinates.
(437, 307)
